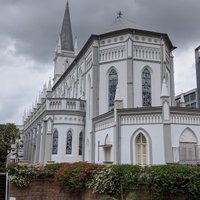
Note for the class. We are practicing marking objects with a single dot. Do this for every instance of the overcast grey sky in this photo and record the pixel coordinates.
(29, 30)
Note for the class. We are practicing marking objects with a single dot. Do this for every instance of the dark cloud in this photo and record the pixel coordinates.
(35, 25)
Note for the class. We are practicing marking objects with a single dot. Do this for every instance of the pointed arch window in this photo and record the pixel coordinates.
(146, 87)
(69, 142)
(80, 150)
(55, 142)
(188, 150)
(141, 149)
(112, 85)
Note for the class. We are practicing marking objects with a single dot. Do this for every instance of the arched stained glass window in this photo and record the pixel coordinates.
(55, 142)
(112, 85)
(69, 142)
(146, 87)
(141, 149)
(80, 150)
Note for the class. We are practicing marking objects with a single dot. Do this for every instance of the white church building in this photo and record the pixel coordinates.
(113, 102)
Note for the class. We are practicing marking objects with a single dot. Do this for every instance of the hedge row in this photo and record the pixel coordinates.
(114, 180)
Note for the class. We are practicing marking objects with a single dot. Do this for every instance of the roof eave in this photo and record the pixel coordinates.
(127, 30)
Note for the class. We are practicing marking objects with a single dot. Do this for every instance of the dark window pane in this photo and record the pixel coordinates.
(113, 81)
(69, 143)
(146, 88)
(80, 151)
(55, 142)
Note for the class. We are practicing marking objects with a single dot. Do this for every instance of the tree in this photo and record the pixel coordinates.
(8, 134)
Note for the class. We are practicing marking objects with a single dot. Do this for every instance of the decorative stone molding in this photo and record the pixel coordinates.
(112, 53)
(55, 104)
(141, 119)
(147, 53)
(104, 124)
(185, 119)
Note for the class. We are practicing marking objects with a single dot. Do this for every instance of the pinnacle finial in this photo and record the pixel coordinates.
(119, 14)
(164, 91)
(49, 85)
(76, 46)
(182, 100)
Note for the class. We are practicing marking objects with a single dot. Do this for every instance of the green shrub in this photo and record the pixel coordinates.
(193, 187)
(166, 180)
(2, 169)
(73, 177)
(116, 180)
(22, 174)
(105, 181)
(50, 170)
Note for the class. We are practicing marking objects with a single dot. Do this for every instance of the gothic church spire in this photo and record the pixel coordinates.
(66, 32)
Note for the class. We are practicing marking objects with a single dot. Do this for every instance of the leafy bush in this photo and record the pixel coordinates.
(167, 180)
(50, 170)
(193, 187)
(159, 181)
(2, 169)
(73, 177)
(105, 181)
(116, 179)
(22, 174)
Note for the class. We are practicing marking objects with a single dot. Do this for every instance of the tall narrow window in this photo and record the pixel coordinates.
(80, 150)
(69, 142)
(113, 80)
(55, 142)
(146, 87)
(141, 150)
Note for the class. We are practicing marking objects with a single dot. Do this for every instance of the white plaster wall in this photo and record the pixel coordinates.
(155, 132)
(177, 130)
(155, 70)
(88, 122)
(60, 64)
(62, 138)
(121, 67)
(100, 137)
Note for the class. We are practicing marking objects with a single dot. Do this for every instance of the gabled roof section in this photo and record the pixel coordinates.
(66, 32)
(121, 23)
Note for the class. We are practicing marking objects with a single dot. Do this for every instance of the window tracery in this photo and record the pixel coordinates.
(113, 81)
(80, 151)
(55, 142)
(146, 87)
(69, 142)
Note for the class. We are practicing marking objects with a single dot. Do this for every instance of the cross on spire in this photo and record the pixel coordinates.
(119, 14)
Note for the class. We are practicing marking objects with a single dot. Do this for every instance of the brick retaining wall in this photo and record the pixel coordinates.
(49, 190)
(46, 190)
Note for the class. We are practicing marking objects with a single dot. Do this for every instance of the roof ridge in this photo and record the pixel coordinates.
(122, 23)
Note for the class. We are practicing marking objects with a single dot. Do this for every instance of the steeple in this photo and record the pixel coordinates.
(64, 54)
(66, 32)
